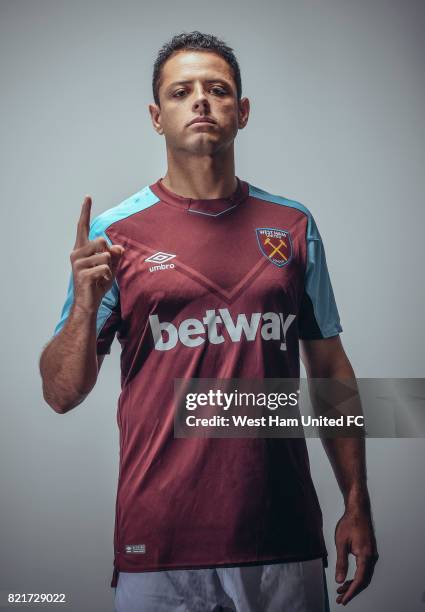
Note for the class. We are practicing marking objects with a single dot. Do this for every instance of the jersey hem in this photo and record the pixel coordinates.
(274, 561)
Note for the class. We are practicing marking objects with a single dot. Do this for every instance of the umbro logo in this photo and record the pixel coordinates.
(160, 258)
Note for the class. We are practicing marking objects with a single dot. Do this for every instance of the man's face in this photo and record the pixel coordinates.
(198, 84)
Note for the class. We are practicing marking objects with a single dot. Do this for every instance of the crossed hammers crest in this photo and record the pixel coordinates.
(276, 249)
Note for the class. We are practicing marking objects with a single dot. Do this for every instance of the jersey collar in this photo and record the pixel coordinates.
(210, 207)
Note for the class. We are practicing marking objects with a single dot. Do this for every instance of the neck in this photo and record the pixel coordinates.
(201, 177)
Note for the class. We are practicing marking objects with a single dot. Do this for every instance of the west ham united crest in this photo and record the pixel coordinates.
(275, 244)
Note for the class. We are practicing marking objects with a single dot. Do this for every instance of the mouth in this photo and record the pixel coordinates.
(202, 120)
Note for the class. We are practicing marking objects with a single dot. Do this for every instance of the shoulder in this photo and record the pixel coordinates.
(141, 200)
(312, 230)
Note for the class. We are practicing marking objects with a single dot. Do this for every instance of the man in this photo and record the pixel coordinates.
(203, 275)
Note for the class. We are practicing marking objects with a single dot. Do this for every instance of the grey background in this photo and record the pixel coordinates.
(337, 122)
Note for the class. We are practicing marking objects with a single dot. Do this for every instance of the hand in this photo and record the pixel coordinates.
(94, 264)
(354, 534)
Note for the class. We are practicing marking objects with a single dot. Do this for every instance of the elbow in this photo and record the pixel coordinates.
(61, 409)
(57, 406)
(62, 399)
(61, 405)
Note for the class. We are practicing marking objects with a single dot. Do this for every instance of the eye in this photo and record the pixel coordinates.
(219, 90)
(216, 89)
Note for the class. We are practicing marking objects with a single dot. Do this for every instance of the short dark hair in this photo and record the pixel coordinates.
(199, 42)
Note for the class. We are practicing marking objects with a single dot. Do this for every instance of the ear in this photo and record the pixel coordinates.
(243, 112)
(155, 113)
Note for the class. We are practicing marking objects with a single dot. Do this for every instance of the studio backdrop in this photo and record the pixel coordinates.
(337, 122)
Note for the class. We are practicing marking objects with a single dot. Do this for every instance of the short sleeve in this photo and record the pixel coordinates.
(108, 318)
(318, 315)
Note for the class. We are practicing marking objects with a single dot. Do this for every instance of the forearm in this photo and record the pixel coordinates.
(348, 455)
(68, 365)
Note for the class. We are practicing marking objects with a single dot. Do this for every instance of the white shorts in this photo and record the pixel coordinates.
(282, 587)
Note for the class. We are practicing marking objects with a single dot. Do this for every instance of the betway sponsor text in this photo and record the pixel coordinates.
(194, 332)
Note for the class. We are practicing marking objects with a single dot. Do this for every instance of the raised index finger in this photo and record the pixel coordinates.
(83, 226)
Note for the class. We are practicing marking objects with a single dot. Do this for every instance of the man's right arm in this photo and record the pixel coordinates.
(69, 364)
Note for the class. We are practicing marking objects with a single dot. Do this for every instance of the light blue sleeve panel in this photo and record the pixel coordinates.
(108, 316)
(318, 316)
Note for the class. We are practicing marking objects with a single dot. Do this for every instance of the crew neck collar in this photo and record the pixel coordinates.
(211, 207)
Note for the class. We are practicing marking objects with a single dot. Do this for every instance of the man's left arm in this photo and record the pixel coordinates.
(354, 532)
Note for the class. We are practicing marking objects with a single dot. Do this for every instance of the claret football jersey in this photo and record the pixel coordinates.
(218, 288)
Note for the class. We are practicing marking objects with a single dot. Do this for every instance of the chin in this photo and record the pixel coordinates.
(203, 146)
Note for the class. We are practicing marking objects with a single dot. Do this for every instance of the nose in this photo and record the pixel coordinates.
(201, 100)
